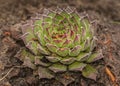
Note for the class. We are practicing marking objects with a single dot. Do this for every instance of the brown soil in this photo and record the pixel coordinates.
(106, 13)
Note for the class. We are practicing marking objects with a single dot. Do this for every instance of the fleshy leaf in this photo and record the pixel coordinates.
(86, 45)
(75, 51)
(95, 56)
(31, 56)
(58, 42)
(28, 63)
(93, 44)
(53, 58)
(77, 39)
(44, 73)
(66, 15)
(27, 28)
(41, 38)
(63, 51)
(32, 46)
(21, 54)
(51, 14)
(43, 50)
(27, 37)
(47, 19)
(89, 72)
(58, 68)
(51, 47)
(83, 56)
(67, 43)
(58, 17)
(76, 66)
(38, 26)
(67, 60)
(39, 62)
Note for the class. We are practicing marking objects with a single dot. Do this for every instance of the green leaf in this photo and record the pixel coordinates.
(73, 20)
(43, 50)
(77, 39)
(92, 45)
(58, 67)
(83, 56)
(76, 66)
(31, 56)
(89, 72)
(21, 54)
(41, 38)
(86, 45)
(48, 20)
(27, 28)
(59, 17)
(75, 51)
(67, 60)
(27, 37)
(53, 58)
(65, 14)
(51, 47)
(58, 42)
(62, 52)
(38, 22)
(45, 25)
(87, 28)
(76, 16)
(41, 63)
(51, 14)
(95, 56)
(86, 24)
(37, 26)
(68, 43)
(32, 46)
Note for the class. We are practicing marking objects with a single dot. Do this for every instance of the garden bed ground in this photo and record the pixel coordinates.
(106, 13)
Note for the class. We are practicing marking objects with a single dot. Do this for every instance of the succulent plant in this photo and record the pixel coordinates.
(59, 41)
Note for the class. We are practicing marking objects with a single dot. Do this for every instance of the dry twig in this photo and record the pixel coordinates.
(6, 74)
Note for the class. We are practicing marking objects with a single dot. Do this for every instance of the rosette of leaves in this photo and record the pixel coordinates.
(59, 41)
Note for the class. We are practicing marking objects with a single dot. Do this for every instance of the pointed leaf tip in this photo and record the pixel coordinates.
(89, 72)
(95, 56)
(75, 51)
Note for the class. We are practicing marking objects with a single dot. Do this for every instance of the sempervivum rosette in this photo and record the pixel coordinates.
(59, 41)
